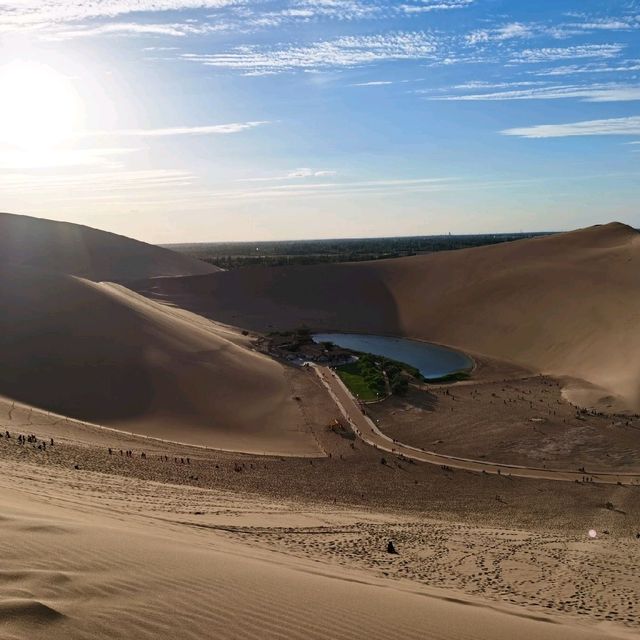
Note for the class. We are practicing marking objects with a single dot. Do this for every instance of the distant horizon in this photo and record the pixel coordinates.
(325, 238)
(339, 239)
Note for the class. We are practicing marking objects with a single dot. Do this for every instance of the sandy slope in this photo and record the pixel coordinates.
(566, 304)
(81, 251)
(109, 558)
(367, 429)
(102, 545)
(111, 545)
(103, 354)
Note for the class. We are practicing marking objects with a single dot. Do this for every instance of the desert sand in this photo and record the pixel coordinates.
(161, 478)
(84, 562)
(101, 545)
(88, 253)
(565, 305)
(103, 354)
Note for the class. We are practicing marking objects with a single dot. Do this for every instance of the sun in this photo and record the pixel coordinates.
(39, 108)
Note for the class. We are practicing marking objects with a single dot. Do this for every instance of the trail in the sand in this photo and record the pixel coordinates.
(366, 429)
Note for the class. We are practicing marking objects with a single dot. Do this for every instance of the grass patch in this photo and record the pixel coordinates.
(374, 377)
(353, 376)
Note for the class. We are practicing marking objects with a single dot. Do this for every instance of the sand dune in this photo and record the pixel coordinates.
(103, 354)
(97, 561)
(82, 251)
(566, 304)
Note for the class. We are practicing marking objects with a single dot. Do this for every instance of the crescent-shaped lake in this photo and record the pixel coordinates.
(432, 360)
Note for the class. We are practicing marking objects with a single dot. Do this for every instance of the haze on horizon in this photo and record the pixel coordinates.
(183, 121)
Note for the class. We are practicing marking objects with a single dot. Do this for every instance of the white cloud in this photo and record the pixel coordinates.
(613, 126)
(373, 83)
(96, 181)
(482, 84)
(620, 23)
(80, 16)
(212, 129)
(347, 51)
(499, 34)
(586, 93)
(550, 54)
(328, 189)
(256, 15)
(623, 66)
(337, 9)
(305, 172)
(425, 6)
(21, 13)
(295, 174)
(178, 29)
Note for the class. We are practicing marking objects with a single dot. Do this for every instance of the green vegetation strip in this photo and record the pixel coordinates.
(353, 376)
(370, 377)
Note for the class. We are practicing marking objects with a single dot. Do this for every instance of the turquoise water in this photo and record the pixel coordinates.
(432, 360)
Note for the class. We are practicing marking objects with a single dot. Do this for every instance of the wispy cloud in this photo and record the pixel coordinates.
(97, 180)
(373, 83)
(622, 66)
(239, 15)
(334, 188)
(211, 129)
(550, 54)
(347, 51)
(177, 29)
(586, 93)
(16, 159)
(426, 6)
(41, 12)
(486, 84)
(612, 126)
(499, 34)
(296, 174)
(336, 9)
(607, 23)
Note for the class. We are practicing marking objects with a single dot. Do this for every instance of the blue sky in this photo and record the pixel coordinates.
(188, 120)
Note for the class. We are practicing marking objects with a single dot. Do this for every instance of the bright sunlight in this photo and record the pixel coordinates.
(39, 107)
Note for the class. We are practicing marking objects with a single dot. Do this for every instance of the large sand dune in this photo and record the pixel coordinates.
(103, 354)
(101, 545)
(82, 251)
(90, 555)
(566, 304)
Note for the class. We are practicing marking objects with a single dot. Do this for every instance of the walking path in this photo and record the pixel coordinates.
(365, 428)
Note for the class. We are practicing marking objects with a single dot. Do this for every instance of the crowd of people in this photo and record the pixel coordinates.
(42, 444)
(128, 453)
(31, 439)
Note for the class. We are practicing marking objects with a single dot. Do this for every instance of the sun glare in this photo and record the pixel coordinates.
(39, 107)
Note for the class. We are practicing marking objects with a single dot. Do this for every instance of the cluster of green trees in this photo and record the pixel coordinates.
(374, 368)
(397, 381)
(372, 374)
(239, 262)
(236, 255)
